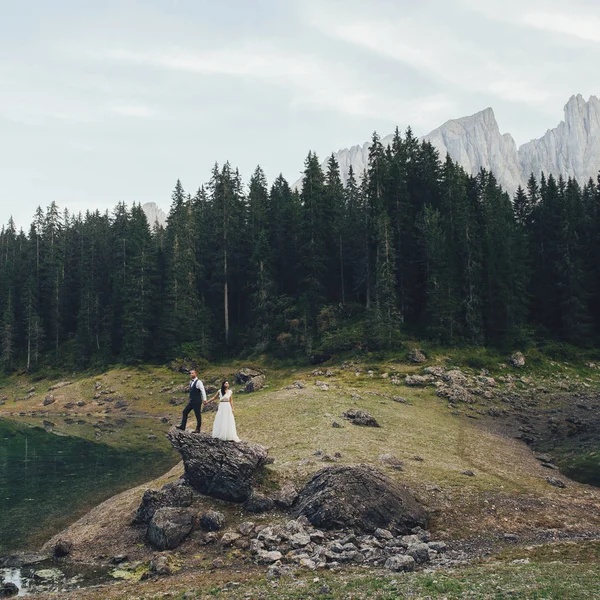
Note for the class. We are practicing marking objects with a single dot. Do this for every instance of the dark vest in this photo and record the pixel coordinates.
(195, 394)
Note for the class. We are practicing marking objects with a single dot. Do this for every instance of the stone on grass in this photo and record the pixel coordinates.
(212, 520)
(556, 482)
(169, 527)
(517, 360)
(360, 417)
(259, 503)
(400, 562)
(177, 494)
(358, 497)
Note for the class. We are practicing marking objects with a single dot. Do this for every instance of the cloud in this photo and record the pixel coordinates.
(583, 26)
(136, 110)
(443, 50)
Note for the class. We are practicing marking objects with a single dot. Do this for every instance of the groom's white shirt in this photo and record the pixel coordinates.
(198, 384)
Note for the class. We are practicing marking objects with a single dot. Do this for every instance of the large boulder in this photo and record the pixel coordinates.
(255, 384)
(358, 497)
(246, 374)
(216, 468)
(175, 494)
(169, 527)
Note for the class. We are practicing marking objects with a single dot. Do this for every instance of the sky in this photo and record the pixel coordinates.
(107, 101)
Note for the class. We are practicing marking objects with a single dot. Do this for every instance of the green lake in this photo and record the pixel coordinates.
(47, 480)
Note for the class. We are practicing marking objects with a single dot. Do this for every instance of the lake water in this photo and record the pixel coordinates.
(48, 481)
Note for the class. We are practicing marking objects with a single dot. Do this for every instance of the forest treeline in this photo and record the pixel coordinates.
(414, 246)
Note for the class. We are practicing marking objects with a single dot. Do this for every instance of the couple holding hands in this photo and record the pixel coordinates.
(224, 425)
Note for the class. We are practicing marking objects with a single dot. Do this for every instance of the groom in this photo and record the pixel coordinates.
(197, 399)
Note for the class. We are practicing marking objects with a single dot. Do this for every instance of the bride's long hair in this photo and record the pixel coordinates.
(223, 390)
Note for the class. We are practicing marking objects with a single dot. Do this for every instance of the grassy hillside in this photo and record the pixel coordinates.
(506, 493)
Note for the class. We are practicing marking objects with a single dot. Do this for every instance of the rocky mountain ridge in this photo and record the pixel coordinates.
(572, 149)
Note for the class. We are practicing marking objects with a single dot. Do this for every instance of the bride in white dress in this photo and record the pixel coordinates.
(224, 425)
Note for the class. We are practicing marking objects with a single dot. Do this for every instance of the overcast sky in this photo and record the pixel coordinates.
(104, 101)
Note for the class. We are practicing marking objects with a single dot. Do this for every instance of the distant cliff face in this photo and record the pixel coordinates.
(572, 149)
(154, 214)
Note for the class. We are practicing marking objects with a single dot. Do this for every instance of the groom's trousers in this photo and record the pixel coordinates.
(197, 408)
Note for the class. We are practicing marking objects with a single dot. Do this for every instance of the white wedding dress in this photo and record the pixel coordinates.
(224, 425)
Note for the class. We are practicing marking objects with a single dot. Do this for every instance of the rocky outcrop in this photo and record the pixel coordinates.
(154, 214)
(169, 527)
(358, 497)
(176, 494)
(212, 520)
(216, 468)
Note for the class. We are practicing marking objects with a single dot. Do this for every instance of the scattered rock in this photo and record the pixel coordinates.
(336, 425)
(60, 384)
(286, 496)
(419, 551)
(389, 460)
(8, 589)
(400, 399)
(360, 417)
(400, 562)
(455, 377)
(255, 384)
(49, 399)
(212, 520)
(416, 355)
(556, 482)
(216, 468)
(358, 497)
(161, 565)
(175, 494)
(468, 473)
(438, 547)
(227, 539)
(246, 374)
(517, 360)
(296, 385)
(414, 380)
(169, 527)
(62, 548)
(246, 528)
(265, 557)
(259, 503)
(435, 371)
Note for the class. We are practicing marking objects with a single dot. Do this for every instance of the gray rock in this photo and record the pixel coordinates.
(438, 547)
(389, 460)
(49, 399)
(175, 494)
(60, 384)
(435, 371)
(383, 534)
(360, 417)
(246, 528)
(517, 360)
(358, 497)
(169, 527)
(8, 589)
(62, 548)
(286, 496)
(259, 503)
(212, 520)
(416, 355)
(556, 482)
(216, 468)
(246, 374)
(255, 384)
(228, 539)
(419, 551)
(455, 377)
(299, 540)
(267, 557)
(400, 562)
(416, 380)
